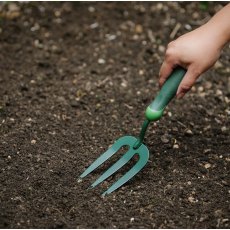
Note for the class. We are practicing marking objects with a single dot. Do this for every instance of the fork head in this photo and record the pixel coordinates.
(129, 141)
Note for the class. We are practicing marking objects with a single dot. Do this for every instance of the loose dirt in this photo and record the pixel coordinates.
(77, 76)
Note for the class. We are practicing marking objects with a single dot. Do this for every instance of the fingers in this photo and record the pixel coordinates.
(187, 82)
(165, 71)
(170, 62)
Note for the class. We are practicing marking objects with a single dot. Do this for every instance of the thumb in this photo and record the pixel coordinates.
(187, 82)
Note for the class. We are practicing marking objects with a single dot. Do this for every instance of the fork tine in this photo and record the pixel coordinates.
(115, 167)
(144, 156)
(109, 153)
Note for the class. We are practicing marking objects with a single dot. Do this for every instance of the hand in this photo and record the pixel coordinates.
(196, 51)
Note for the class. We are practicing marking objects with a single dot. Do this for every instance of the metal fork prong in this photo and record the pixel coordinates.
(98, 162)
(131, 173)
(115, 167)
(109, 153)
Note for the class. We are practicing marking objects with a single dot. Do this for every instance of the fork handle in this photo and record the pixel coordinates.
(155, 110)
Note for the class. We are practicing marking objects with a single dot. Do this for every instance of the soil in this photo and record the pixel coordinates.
(77, 76)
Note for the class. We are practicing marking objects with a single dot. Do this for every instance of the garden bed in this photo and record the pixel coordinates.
(77, 76)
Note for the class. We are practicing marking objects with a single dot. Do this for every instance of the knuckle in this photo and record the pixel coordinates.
(170, 51)
(172, 45)
(185, 88)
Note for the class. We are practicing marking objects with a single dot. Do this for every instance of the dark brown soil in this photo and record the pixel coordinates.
(77, 76)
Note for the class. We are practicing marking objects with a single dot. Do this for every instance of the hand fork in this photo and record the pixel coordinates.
(136, 147)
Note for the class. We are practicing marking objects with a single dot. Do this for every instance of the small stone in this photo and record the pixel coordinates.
(35, 27)
(195, 15)
(139, 29)
(189, 132)
(101, 61)
(47, 34)
(124, 84)
(218, 121)
(37, 44)
(193, 89)
(33, 142)
(151, 36)
(219, 92)
(125, 69)
(169, 114)
(191, 199)
(189, 182)
(110, 37)
(218, 213)
(56, 49)
(114, 117)
(164, 139)
(187, 27)
(218, 65)
(227, 100)
(9, 157)
(176, 146)
(94, 25)
(135, 37)
(141, 72)
(203, 94)
(161, 49)
(224, 129)
(200, 89)
(57, 13)
(132, 219)
(207, 150)
(226, 70)
(208, 85)
(175, 129)
(206, 128)
(207, 166)
(91, 9)
(159, 6)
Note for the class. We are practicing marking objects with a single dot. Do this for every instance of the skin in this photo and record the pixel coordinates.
(197, 51)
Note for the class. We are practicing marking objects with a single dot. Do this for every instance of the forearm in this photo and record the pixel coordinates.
(220, 25)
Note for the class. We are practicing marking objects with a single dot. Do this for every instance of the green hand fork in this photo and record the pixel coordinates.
(136, 147)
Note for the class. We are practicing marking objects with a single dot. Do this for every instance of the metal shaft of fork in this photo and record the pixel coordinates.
(140, 139)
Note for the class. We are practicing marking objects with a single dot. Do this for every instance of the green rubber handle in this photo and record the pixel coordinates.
(155, 110)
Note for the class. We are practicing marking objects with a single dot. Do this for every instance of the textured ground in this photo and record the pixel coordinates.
(75, 77)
